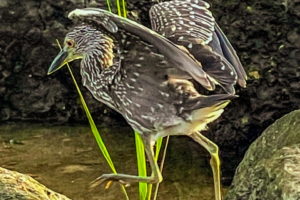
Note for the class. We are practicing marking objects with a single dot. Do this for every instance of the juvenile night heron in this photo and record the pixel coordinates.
(154, 78)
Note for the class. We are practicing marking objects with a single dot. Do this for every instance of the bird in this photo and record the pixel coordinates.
(172, 79)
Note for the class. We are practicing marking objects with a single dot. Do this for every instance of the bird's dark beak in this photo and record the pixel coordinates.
(58, 62)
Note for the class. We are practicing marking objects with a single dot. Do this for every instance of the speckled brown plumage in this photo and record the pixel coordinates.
(155, 78)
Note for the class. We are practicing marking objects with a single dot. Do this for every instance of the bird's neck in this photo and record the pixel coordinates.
(102, 50)
(95, 75)
(102, 68)
(98, 80)
(99, 63)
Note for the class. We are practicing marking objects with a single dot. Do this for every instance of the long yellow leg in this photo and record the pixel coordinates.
(213, 150)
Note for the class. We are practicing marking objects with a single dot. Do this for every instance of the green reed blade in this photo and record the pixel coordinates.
(119, 8)
(124, 8)
(108, 5)
(141, 163)
(158, 147)
(94, 128)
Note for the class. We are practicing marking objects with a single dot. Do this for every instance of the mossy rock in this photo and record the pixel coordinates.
(17, 186)
(270, 168)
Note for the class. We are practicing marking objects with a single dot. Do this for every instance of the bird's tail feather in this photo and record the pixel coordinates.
(207, 114)
(207, 101)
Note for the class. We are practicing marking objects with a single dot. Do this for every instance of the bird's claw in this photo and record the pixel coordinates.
(109, 178)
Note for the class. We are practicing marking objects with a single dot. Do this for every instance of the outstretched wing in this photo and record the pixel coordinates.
(180, 58)
(189, 23)
(230, 54)
(183, 20)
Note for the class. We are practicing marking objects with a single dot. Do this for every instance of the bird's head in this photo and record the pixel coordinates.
(83, 41)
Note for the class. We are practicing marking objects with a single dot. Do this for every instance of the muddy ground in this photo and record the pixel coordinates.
(265, 34)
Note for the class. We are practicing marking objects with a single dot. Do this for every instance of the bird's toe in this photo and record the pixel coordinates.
(109, 179)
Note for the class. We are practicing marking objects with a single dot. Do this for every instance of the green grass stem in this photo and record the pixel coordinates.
(141, 163)
(108, 5)
(124, 8)
(119, 8)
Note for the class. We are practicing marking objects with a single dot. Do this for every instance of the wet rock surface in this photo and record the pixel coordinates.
(265, 34)
(17, 186)
(270, 169)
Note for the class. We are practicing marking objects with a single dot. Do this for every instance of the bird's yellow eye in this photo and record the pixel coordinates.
(70, 43)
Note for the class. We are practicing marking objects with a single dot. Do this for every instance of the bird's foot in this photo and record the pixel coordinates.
(109, 179)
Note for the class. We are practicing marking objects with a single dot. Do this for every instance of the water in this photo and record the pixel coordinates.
(66, 159)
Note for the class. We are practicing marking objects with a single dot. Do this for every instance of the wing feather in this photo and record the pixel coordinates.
(182, 60)
(231, 56)
(183, 20)
(190, 24)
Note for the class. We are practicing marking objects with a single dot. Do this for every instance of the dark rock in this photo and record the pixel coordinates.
(27, 44)
(294, 38)
(270, 168)
(3, 4)
(33, 35)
